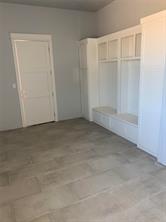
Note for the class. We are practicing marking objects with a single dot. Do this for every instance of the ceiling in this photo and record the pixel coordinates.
(86, 5)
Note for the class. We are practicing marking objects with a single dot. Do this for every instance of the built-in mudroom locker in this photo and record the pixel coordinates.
(123, 83)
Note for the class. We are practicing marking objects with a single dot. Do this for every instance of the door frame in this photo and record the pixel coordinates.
(34, 37)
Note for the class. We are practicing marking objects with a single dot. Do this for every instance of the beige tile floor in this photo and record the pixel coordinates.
(76, 171)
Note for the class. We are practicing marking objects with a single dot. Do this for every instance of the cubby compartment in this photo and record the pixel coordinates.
(127, 47)
(108, 84)
(129, 118)
(125, 125)
(113, 49)
(118, 81)
(138, 38)
(130, 78)
(106, 110)
(103, 51)
(111, 78)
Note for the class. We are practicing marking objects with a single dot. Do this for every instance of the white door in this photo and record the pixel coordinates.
(35, 81)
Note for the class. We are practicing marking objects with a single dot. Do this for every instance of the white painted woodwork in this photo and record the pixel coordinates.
(132, 84)
(138, 38)
(161, 154)
(33, 65)
(116, 81)
(88, 75)
(106, 110)
(103, 51)
(152, 79)
(124, 126)
(101, 119)
(130, 118)
(127, 46)
(83, 55)
(113, 49)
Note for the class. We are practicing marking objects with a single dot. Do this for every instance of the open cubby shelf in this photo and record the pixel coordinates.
(121, 48)
(123, 124)
(108, 73)
(119, 75)
(127, 117)
(107, 110)
(129, 85)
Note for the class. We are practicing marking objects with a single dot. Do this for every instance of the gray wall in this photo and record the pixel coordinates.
(121, 14)
(66, 28)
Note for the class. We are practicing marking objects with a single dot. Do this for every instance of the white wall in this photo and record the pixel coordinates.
(121, 14)
(66, 28)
